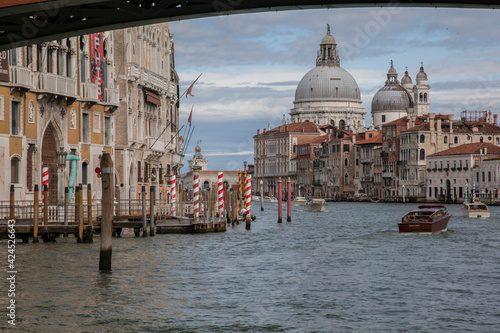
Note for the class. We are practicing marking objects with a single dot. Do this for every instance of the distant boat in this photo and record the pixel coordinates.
(426, 218)
(375, 199)
(315, 205)
(475, 210)
(270, 199)
(299, 201)
(255, 198)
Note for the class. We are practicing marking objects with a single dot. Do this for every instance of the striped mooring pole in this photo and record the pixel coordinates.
(248, 199)
(173, 195)
(45, 186)
(196, 196)
(220, 193)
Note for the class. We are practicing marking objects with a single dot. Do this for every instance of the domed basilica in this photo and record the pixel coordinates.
(328, 94)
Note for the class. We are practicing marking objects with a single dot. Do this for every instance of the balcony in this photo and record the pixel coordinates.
(56, 84)
(112, 97)
(366, 160)
(402, 163)
(153, 144)
(387, 174)
(367, 179)
(89, 92)
(21, 77)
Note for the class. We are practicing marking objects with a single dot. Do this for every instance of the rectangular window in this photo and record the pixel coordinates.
(383, 118)
(107, 130)
(15, 118)
(346, 148)
(139, 178)
(85, 127)
(97, 122)
(14, 170)
(85, 167)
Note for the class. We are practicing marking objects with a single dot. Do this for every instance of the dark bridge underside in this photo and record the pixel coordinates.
(24, 22)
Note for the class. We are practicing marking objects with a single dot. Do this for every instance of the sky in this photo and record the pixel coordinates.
(251, 65)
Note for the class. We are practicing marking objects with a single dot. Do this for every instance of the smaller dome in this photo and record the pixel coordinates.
(421, 75)
(328, 39)
(406, 79)
(391, 98)
(392, 70)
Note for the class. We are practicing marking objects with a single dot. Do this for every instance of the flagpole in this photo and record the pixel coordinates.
(190, 87)
(189, 141)
(166, 126)
(174, 136)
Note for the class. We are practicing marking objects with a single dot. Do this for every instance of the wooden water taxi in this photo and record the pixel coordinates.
(475, 210)
(315, 205)
(426, 218)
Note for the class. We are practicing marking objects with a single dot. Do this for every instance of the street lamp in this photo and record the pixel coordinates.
(61, 157)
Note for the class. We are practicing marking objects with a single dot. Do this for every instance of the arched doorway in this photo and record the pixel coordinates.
(49, 160)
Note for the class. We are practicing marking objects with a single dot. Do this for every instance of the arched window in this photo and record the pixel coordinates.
(455, 140)
(422, 154)
(497, 141)
(481, 139)
(422, 138)
(425, 97)
(342, 124)
(85, 170)
(445, 140)
(421, 97)
(206, 185)
(346, 178)
(15, 168)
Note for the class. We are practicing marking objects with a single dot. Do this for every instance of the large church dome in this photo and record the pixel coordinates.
(327, 83)
(328, 94)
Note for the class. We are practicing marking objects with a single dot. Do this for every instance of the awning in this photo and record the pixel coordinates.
(152, 97)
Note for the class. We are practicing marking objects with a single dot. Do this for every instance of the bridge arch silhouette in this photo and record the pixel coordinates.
(25, 22)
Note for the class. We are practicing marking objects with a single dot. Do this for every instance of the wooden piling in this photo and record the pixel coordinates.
(288, 201)
(280, 208)
(144, 220)
(77, 214)
(80, 214)
(35, 220)
(45, 205)
(89, 204)
(152, 210)
(12, 214)
(107, 212)
(66, 197)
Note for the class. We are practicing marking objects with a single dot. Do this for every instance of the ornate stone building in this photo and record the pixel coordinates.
(56, 97)
(148, 148)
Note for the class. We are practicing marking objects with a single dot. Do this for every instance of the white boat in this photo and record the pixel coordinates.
(270, 199)
(255, 198)
(315, 205)
(299, 201)
(475, 210)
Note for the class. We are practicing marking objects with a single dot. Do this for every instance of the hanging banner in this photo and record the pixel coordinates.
(4, 66)
(97, 62)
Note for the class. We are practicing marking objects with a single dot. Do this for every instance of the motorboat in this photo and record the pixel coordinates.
(375, 199)
(255, 197)
(315, 205)
(270, 199)
(299, 201)
(428, 218)
(475, 210)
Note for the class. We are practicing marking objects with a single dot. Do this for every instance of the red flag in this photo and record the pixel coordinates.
(190, 116)
(191, 87)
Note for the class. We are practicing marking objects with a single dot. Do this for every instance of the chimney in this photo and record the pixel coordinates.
(438, 123)
(450, 118)
(354, 138)
(264, 131)
(431, 121)
(489, 117)
(258, 131)
(495, 116)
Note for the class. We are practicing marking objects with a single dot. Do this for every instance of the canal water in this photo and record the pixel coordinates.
(346, 270)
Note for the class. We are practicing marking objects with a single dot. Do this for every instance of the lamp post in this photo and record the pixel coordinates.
(403, 193)
(61, 163)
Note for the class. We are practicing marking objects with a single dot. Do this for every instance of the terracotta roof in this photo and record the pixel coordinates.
(317, 140)
(305, 126)
(471, 148)
(373, 140)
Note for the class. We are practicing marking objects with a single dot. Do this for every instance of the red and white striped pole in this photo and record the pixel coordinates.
(248, 197)
(196, 196)
(45, 181)
(220, 194)
(173, 195)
